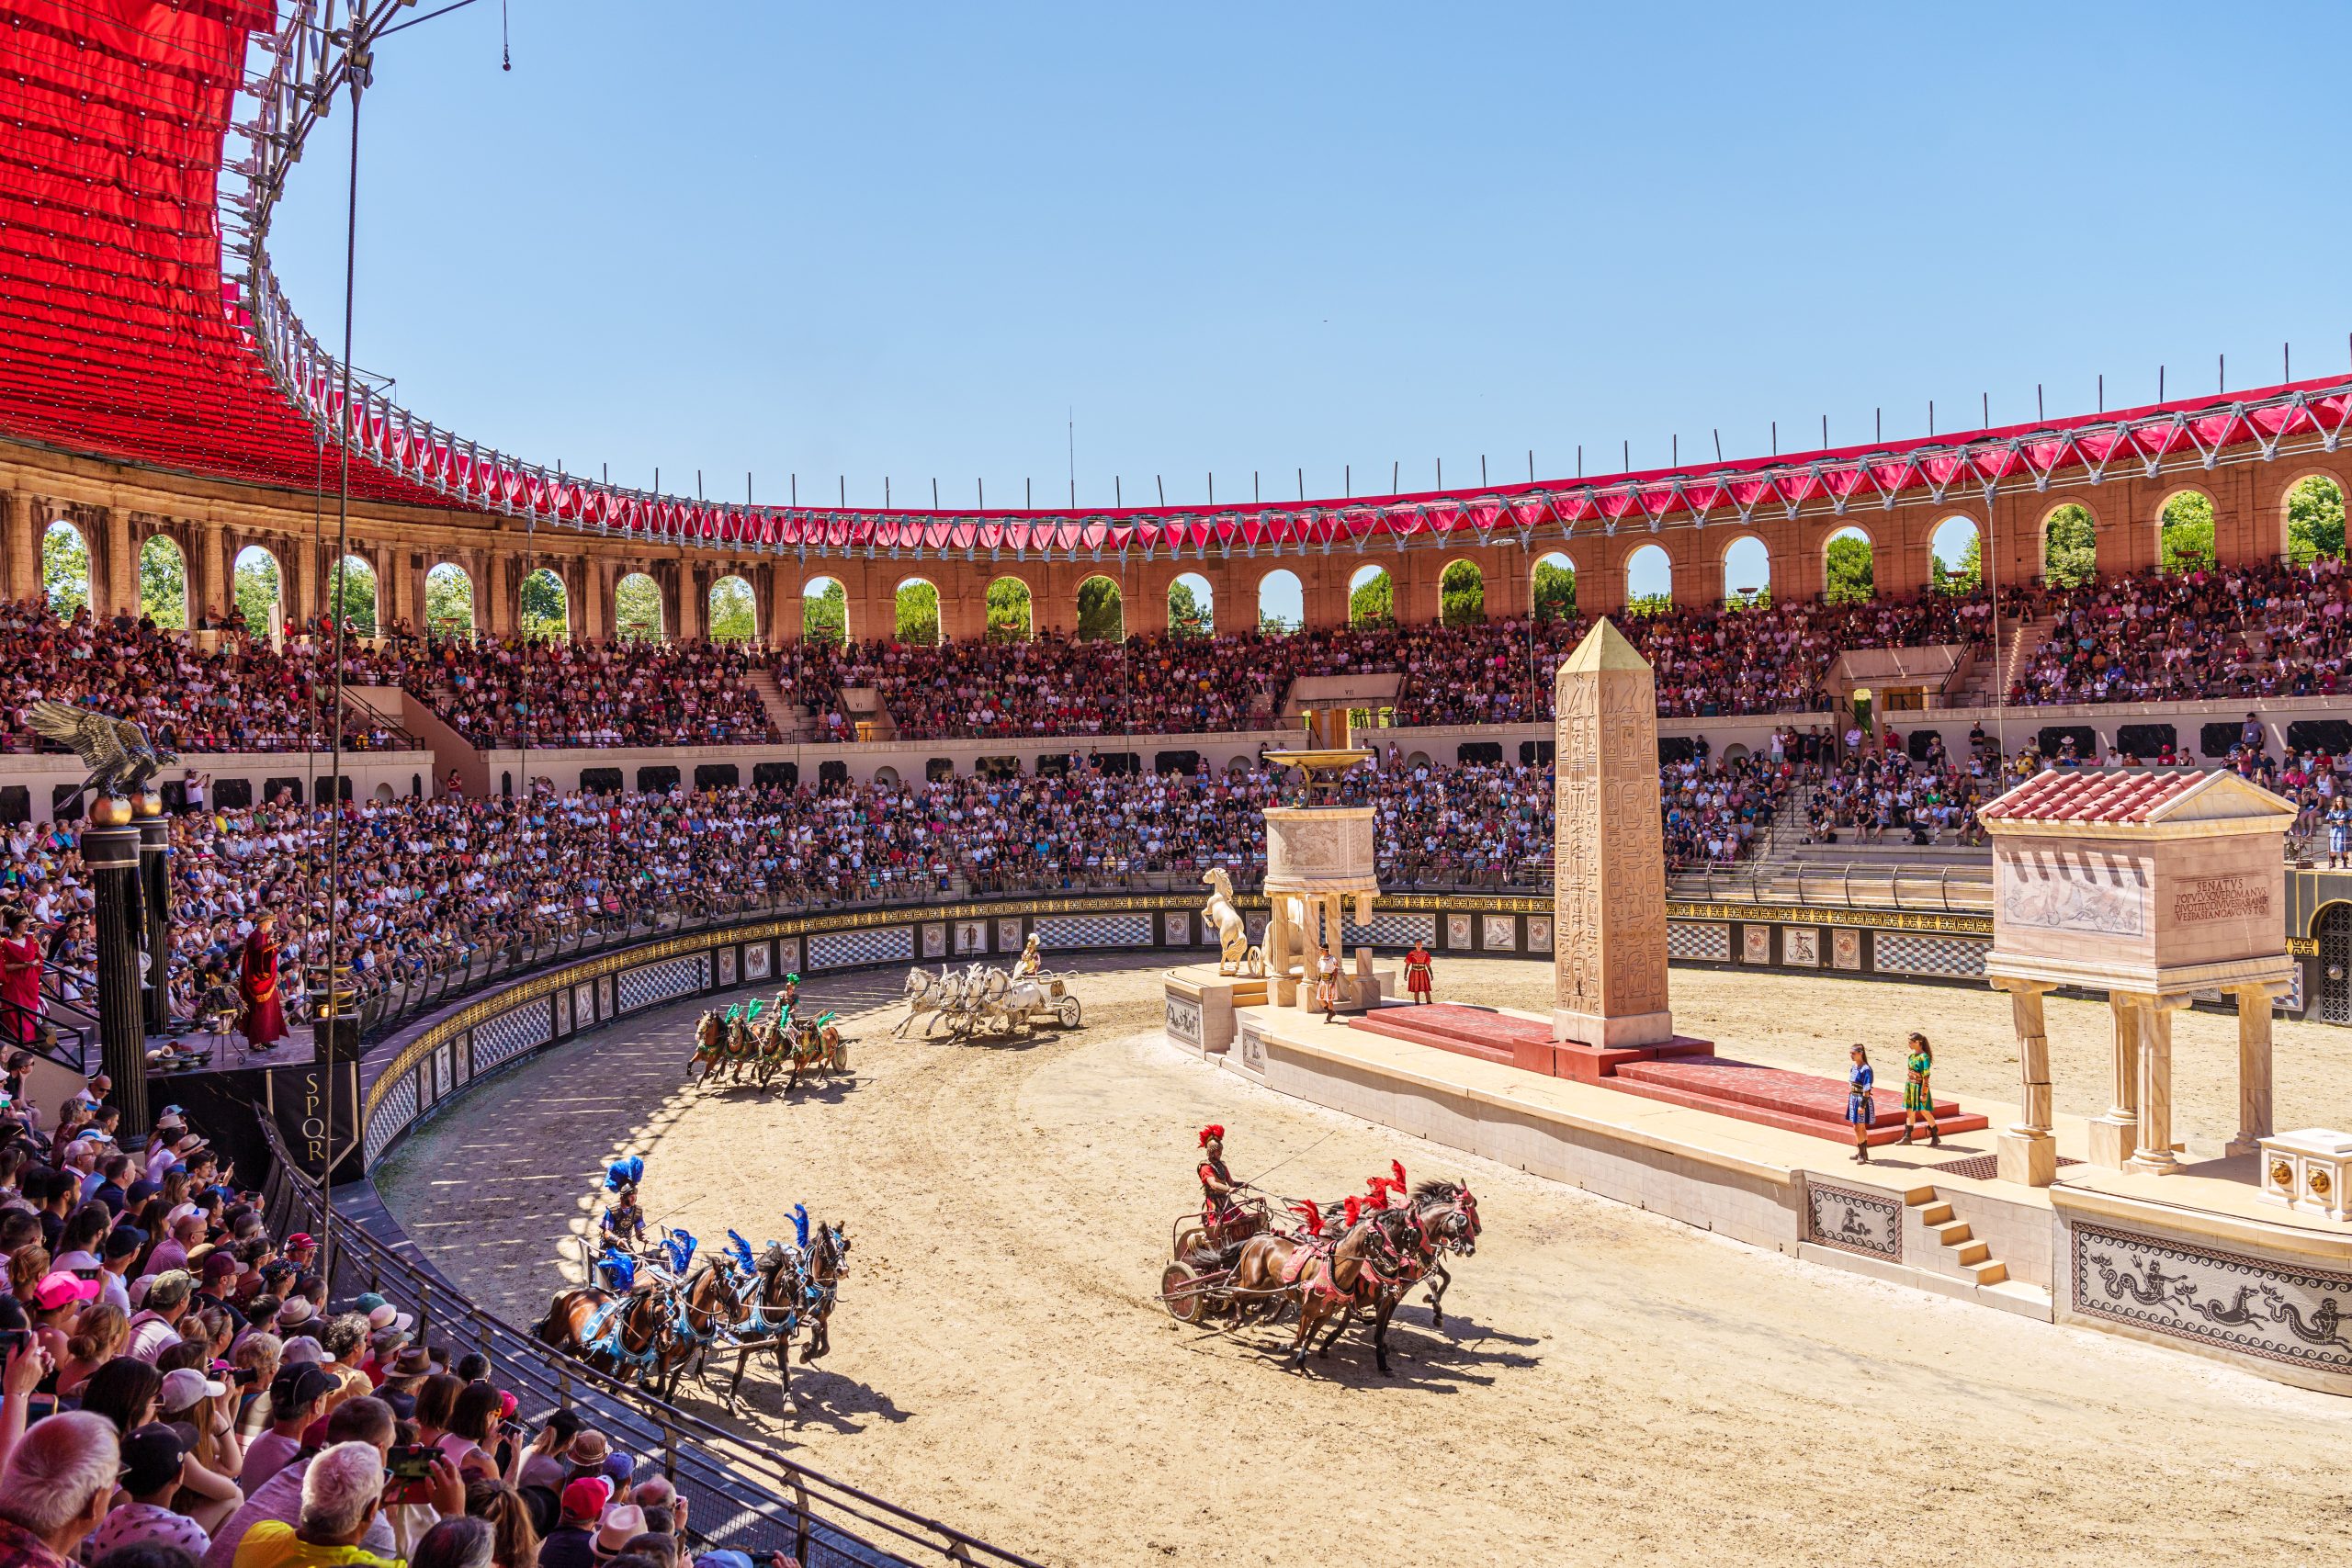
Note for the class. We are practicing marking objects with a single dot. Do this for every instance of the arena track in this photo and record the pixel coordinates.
(1611, 1386)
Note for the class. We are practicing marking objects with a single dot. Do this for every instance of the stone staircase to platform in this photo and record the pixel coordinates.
(1963, 1256)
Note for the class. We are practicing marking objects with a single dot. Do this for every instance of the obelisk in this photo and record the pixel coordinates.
(1609, 850)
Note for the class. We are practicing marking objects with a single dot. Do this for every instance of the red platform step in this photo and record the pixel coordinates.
(1775, 1096)
(1522, 1043)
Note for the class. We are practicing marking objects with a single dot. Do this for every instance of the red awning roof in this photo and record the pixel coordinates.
(120, 338)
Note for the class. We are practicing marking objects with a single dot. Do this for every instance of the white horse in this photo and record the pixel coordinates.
(1235, 955)
(1000, 996)
(926, 996)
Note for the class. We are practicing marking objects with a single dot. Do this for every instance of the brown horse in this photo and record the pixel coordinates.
(710, 1046)
(827, 1262)
(1317, 1273)
(705, 1308)
(621, 1336)
(1442, 1217)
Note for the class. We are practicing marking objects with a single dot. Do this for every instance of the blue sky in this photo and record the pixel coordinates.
(915, 241)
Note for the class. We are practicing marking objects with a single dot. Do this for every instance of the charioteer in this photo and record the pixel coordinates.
(1032, 960)
(1222, 1217)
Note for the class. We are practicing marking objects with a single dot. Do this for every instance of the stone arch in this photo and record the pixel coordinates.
(915, 612)
(257, 588)
(2185, 529)
(1191, 605)
(66, 576)
(353, 595)
(824, 610)
(1460, 594)
(1101, 610)
(2069, 534)
(1848, 566)
(163, 582)
(1955, 555)
(1747, 572)
(2311, 515)
(1011, 610)
(637, 609)
(544, 606)
(1371, 597)
(733, 614)
(449, 600)
(1281, 601)
(1649, 580)
(1551, 587)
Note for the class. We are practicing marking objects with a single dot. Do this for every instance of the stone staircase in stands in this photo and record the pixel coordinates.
(1993, 676)
(790, 719)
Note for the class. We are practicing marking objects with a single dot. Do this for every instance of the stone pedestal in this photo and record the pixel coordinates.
(1609, 858)
(2026, 1157)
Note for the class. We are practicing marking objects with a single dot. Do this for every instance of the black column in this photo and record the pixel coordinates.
(111, 852)
(155, 887)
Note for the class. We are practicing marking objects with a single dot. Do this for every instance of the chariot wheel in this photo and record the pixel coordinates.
(1179, 1287)
(1067, 1012)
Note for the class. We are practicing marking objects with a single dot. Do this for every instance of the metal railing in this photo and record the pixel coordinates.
(742, 1492)
(1866, 885)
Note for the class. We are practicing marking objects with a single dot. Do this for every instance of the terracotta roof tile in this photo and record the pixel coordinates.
(2090, 795)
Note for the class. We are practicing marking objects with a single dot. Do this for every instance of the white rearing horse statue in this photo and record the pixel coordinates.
(1235, 955)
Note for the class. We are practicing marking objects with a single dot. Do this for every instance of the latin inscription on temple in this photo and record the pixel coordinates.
(2200, 899)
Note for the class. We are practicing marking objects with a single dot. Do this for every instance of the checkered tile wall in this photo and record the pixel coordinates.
(1393, 931)
(1092, 930)
(509, 1034)
(395, 1112)
(838, 950)
(1962, 957)
(652, 982)
(1706, 941)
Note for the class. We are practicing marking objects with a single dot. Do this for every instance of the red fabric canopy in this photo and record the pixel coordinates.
(120, 337)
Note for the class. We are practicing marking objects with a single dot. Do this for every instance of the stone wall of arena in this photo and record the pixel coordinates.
(117, 507)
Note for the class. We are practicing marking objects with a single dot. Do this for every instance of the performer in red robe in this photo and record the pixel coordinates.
(1417, 973)
(264, 1023)
(20, 981)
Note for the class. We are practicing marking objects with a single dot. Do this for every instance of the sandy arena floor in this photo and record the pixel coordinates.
(1611, 1386)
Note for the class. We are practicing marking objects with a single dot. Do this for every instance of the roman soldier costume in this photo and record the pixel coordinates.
(1418, 973)
(1221, 1214)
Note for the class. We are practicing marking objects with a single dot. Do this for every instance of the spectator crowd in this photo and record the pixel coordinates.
(426, 885)
(2248, 631)
(178, 1390)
